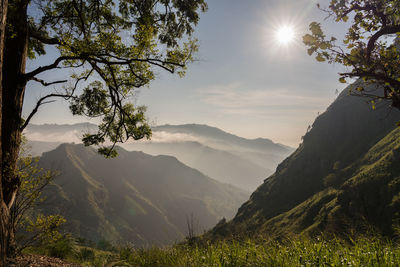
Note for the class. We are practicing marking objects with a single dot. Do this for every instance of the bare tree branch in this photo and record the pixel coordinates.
(46, 83)
(42, 38)
(41, 102)
(28, 76)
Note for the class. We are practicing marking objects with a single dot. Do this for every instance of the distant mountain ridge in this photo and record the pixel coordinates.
(220, 155)
(226, 167)
(204, 130)
(344, 177)
(135, 197)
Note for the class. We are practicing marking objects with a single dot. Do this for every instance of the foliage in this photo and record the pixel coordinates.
(70, 249)
(331, 180)
(63, 247)
(104, 245)
(86, 254)
(31, 226)
(370, 48)
(271, 253)
(60, 248)
(112, 48)
(295, 252)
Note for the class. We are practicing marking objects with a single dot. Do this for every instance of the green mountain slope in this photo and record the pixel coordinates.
(136, 197)
(343, 177)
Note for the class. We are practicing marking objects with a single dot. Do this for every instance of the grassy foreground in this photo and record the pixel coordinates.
(334, 252)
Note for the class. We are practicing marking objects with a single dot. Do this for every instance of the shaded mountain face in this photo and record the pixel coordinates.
(135, 197)
(345, 176)
(225, 157)
(222, 165)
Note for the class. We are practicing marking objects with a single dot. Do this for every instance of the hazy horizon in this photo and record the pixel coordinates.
(243, 81)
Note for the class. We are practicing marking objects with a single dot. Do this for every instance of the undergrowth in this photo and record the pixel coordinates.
(299, 252)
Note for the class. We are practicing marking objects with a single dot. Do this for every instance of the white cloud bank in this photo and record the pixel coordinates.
(166, 137)
(74, 136)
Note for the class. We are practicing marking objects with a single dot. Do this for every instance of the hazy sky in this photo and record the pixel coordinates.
(243, 81)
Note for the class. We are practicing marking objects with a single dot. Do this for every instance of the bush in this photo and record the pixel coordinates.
(104, 245)
(61, 248)
(86, 254)
(331, 180)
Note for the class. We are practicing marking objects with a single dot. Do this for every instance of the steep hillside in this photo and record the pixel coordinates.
(343, 177)
(136, 197)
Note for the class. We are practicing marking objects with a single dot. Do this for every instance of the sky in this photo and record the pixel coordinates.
(243, 80)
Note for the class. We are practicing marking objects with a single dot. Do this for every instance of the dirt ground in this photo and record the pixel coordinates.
(39, 261)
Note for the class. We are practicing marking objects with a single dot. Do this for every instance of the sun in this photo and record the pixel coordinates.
(285, 34)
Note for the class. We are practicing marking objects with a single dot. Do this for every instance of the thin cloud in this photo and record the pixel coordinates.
(73, 136)
(166, 137)
(233, 98)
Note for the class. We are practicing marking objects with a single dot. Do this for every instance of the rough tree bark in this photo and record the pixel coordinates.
(13, 88)
(4, 211)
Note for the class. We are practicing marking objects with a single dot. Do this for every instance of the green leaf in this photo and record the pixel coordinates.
(320, 58)
(309, 39)
(316, 29)
(311, 50)
(342, 80)
(107, 152)
(325, 46)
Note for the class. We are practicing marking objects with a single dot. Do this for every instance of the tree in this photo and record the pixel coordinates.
(112, 47)
(29, 225)
(4, 209)
(370, 49)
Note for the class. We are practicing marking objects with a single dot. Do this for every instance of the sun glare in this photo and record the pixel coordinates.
(285, 35)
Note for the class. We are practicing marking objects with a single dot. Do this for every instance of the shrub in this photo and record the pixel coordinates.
(86, 254)
(61, 248)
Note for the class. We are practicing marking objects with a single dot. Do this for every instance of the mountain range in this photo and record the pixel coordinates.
(344, 178)
(136, 198)
(227, 158)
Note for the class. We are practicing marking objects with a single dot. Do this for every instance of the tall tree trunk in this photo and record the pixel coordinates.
(13, 89)
(4, 212)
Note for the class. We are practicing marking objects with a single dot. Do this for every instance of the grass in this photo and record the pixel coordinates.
(301, 252)
(271, 253)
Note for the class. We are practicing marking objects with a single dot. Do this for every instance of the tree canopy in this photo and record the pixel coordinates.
(113, 48)
(370, 49)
